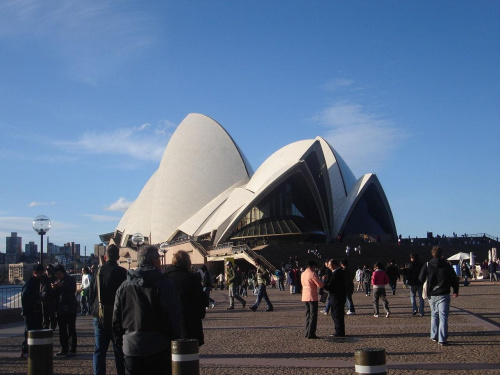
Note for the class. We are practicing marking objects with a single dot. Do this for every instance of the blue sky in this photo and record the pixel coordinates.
(90, 93)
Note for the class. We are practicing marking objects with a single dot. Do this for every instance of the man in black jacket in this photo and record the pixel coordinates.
(415, 285)
(111, 276)
(393, 275)
(31, 305)
(336, 286)
(65, 286)
(146, 316)
(440, 278)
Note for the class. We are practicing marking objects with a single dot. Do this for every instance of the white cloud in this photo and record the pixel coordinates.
(101, 218)
(36, 204)
(120, 205)
(338, 84)
(365, 140)
(140, 143)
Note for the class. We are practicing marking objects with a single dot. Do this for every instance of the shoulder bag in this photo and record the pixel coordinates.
(424, 287)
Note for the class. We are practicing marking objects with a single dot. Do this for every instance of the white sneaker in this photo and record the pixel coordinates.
(351, 313)
(376, 315)
(387, 315)
(213, 305)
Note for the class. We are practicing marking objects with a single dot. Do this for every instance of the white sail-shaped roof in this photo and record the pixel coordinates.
(204, 185)
(201, 161)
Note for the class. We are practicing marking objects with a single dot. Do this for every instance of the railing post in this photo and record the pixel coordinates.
(185, 357)
(40, 352)
(370, 361)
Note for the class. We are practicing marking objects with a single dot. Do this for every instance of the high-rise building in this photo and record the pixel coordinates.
(13, 248)
(99, 250)
(30, 249)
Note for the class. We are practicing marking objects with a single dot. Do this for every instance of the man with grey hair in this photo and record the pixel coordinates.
(147, 316)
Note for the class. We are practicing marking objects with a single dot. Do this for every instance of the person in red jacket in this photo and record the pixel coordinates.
(379, 281)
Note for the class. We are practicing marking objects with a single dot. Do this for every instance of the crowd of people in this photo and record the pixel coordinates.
(141, 311)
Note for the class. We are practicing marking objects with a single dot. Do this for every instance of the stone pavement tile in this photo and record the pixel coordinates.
(244, 342)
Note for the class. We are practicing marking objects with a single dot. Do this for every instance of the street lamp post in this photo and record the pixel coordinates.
(41, 225)
(137, 240)
(129, 261)
(164, 249)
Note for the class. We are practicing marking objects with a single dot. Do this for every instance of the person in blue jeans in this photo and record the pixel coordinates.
(111, 276)
(414, 270)
(440, 278)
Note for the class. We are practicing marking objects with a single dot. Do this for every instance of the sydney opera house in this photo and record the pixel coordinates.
(205, 193)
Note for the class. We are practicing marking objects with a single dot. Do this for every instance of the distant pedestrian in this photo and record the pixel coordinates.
(66, 313)
(379, 281)
(84, 291)
(492, 269)
(310, 284)
(367, 279)
(281, 279)
(336, 287)
(359, 279)
(193, 300)
(50, 302)
(393, 274)
(206, 283)
(262, 281)
(414, 270)
(349, 284)
(233, 282)
(31, 303)
(146, 329)
(440, 278)
(102, 294)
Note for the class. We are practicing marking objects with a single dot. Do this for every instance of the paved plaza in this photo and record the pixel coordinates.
(244, 342)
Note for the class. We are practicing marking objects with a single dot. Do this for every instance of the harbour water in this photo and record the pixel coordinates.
(10, 296)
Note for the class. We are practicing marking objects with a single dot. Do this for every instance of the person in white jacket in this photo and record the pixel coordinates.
(85, 288)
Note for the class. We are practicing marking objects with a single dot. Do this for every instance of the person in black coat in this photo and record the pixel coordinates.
(336, 286)
(31, 305)
(66, 313)
(50, 301)
(193, 300)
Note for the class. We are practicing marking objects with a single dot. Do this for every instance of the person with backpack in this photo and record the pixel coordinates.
(147, 316)
(102, 291)
(233, 283)
(262, 281)
(367, 279)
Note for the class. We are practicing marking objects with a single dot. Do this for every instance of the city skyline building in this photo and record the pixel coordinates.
(13, 247)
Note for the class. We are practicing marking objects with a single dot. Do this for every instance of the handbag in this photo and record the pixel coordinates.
(105, 311)
(424, 287)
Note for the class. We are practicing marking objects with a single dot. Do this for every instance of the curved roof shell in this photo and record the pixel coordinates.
(204, 184)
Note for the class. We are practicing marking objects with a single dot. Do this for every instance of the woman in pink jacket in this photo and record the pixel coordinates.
(310, 284)
(379, 281)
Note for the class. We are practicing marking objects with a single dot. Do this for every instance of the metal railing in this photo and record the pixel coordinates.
(10, 297)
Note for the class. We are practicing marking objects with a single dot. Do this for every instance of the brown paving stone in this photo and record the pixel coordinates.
(243, 342)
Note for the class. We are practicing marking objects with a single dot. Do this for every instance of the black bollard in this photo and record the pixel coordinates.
(40, 352)
(370, 361)
(185, 357)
